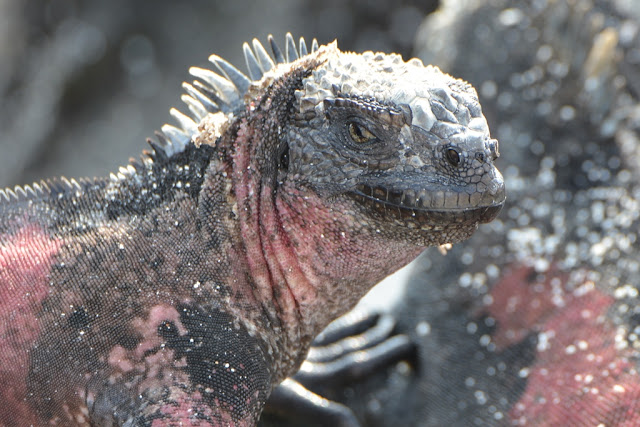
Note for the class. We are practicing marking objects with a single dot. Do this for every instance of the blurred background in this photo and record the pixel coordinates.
(84, 83)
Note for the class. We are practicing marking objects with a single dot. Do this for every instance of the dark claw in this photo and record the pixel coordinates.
(352, 323)
(349, 349)
(352, 347)
(303, 407)
(350, 342)
(356, 365)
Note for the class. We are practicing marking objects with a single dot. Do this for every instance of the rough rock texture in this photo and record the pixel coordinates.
(185, 286)
(535, 320)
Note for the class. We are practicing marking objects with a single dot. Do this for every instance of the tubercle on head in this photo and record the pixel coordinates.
(431, 96)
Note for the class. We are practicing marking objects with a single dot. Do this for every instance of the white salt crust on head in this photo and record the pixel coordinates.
(387, 78)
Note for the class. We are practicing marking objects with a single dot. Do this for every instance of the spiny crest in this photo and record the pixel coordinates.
(211, 93)
(44, 188)
(24, 192)
(224, 89)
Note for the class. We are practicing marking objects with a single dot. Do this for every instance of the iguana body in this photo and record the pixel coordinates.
(185, 287)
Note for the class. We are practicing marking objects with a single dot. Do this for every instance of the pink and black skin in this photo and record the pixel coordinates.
(182, 289)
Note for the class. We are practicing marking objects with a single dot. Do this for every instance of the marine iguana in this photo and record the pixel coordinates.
(183, 288)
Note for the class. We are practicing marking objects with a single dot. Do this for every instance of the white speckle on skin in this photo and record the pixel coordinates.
(523, 373)
(544, 339)
(472, 327)
(423, 328)
(510, 17)
(481, 397)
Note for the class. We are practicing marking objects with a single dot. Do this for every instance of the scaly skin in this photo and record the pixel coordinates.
(184, 288)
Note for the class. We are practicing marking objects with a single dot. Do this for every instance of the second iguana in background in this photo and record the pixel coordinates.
(182, 289)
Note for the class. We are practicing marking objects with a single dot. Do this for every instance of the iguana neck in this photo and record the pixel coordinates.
(309, 262)
(309, 259)
(338, 259)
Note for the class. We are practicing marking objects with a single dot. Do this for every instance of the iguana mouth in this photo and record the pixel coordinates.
(416, 206)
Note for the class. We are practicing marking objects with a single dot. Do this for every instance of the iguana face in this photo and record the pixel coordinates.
(399, 143)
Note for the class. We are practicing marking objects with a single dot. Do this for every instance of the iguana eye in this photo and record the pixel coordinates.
(453, 157)
(360, 134)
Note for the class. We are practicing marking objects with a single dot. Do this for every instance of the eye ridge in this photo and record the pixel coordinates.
(359, 133)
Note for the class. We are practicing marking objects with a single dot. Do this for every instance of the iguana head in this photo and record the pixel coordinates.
(406, 144)
(402, 144)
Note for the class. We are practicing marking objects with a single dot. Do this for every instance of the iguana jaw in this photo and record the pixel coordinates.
(431, 207)
(429, 218)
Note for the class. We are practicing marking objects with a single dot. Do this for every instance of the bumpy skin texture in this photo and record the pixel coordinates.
(534, 320)
(182, 289)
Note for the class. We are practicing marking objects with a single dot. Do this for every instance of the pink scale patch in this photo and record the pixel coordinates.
(580, 376)
(25, 260)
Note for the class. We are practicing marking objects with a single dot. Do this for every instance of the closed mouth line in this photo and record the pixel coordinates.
(409, 204)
